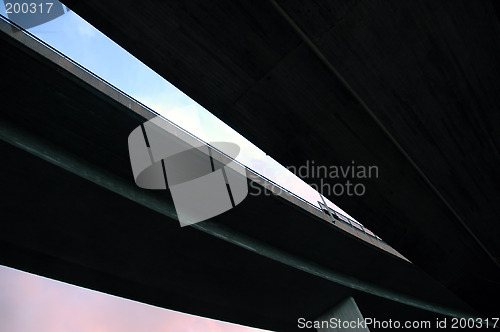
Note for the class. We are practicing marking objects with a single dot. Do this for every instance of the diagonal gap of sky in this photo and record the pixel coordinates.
(84, 44)
(35, 299)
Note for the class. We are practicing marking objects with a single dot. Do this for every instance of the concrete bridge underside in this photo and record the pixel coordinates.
(61, 126)
(408, 86)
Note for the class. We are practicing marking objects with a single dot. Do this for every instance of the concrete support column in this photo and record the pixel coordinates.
(343, 317)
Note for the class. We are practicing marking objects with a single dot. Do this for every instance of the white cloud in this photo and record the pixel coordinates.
(79, 25)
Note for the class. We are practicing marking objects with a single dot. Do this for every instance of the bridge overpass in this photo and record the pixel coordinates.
(409, 86)
(72, 212)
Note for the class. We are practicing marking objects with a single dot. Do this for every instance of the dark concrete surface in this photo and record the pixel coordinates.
(409, 86)
(57, 224)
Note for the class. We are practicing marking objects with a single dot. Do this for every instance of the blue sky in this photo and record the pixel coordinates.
(26, 294)
(81, 42)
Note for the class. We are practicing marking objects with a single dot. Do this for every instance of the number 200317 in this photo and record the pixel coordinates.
(28, 8)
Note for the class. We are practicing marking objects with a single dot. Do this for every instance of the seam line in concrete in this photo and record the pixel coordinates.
(327, 63)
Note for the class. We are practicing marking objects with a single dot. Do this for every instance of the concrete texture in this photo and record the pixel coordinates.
(100, 235)
(345, 311)
(409, 86)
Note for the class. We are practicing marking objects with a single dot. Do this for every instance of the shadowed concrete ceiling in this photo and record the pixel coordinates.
(408, 86)
(61, 126)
